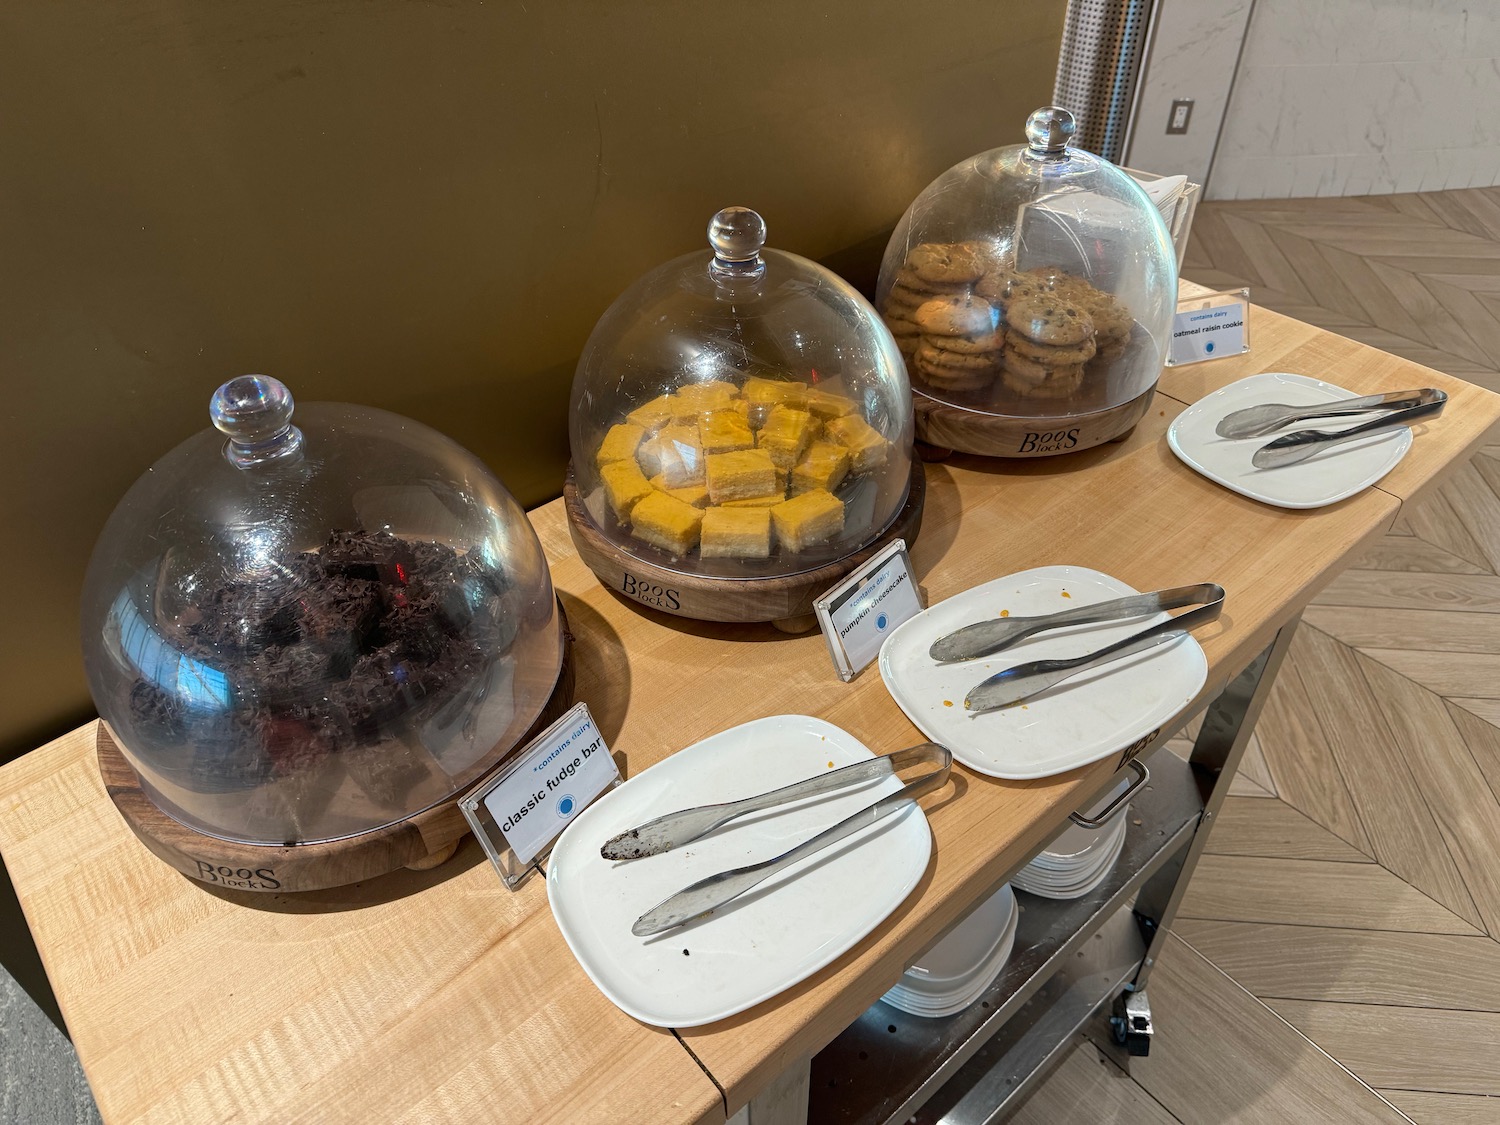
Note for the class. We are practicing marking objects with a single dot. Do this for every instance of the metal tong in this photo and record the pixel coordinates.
(1025, 680)
(986, 637)
(683, 827)
(1292, 448)
(709, 894)
(1259, 421)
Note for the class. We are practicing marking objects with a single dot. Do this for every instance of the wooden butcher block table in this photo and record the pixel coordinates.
(440, 995)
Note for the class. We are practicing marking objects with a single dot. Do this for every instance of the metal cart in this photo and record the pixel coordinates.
(1072, 958)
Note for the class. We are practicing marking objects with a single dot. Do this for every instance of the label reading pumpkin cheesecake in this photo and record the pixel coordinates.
(864, 609)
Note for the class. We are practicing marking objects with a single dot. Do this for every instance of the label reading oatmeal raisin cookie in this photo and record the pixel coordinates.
(1211, 327)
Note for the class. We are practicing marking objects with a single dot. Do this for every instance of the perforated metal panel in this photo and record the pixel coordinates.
(1103, 42)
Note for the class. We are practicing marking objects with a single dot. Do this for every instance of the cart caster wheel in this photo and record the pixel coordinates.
(1130, 1026)
(1134, 1043)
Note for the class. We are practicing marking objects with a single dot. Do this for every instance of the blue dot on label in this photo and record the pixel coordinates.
(565, 805)
(880, 621)
(1209, 347)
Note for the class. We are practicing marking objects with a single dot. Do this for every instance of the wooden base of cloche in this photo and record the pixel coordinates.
(785, 600)
(944, 426)
(419, 842)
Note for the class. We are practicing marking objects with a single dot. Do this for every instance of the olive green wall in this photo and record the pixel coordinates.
(421, 206)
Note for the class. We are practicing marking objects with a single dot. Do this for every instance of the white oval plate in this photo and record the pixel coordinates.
(1325, 479)
(768, 939)
(965, 949)
(1046, 868)
(1079, 887)
(1077, 857)
(917, 1003)
(1091, 716)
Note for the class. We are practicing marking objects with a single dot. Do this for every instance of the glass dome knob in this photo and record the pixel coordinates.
(1049, 129)
(255, 411)
(737, 235)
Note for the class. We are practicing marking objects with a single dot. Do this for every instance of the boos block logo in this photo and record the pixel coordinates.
(239, 878)
(649, 592)
(1053, 441)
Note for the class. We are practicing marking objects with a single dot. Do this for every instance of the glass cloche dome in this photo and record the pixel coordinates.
(1033, 284)
(308, 631)
(740, 413)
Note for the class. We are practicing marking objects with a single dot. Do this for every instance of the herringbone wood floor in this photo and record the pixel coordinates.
(1337, 957)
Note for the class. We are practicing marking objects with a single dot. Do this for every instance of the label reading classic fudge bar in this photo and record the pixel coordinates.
(517, 815)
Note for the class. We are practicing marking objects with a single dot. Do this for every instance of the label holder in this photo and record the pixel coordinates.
(513, 870)
(830, 608)
(1184, 349)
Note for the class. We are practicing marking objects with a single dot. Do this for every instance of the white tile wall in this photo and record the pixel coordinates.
(1192, 56)
(1354, 97)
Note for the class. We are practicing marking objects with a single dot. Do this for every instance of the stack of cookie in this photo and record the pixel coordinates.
(1049, 339)
(961, 315)
(1112, 323)
(950, 337)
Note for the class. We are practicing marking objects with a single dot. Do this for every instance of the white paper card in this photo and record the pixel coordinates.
(864, 609)
(1210, 327)
(517, 814)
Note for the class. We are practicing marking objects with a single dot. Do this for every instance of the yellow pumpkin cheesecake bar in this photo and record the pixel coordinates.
(653, 415)
(700, 398)
(809, 519)
(762, 395)
(666, 522)
(785, 435)
(724, 431)
(736, 533)
(826, 404)
(740, 475)
(756, 501)
(624, 487)
(824, 465)
(866, 447)
(694, 494)
(620, 443)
